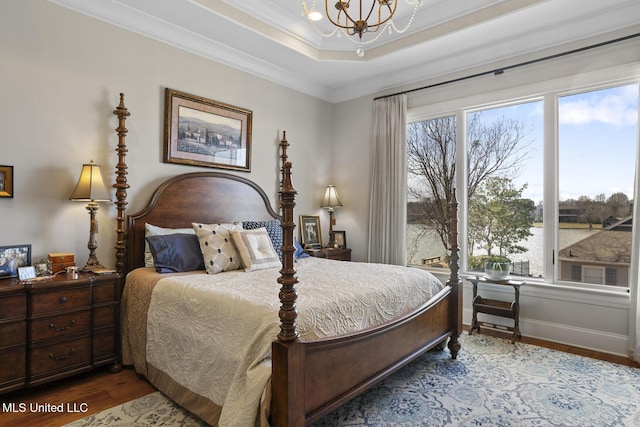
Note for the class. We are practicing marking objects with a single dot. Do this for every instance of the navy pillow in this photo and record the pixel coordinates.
(299, 253)
(273, 230)
(174, 253)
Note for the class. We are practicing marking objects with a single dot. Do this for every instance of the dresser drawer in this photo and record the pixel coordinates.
(13, 369)
(104, 345)
(13, 333)
(60, 325)
(104, 292)
(63, 355)
(13, 306)
(48, 302)
(104, 315)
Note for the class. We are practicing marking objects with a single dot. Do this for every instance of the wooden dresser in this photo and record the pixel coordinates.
(54, 329)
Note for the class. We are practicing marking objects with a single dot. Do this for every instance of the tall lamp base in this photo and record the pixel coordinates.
(93, 263)
(332, 221)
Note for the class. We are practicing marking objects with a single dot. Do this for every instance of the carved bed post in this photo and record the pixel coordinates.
(454, 281)
(287, 402)
(121, 185)
(287, 277)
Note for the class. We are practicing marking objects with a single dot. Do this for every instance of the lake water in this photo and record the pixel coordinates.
(430, 245)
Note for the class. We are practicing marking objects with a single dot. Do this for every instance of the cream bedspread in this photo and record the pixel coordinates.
(212, 334)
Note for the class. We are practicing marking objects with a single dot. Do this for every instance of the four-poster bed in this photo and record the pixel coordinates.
(310, 373)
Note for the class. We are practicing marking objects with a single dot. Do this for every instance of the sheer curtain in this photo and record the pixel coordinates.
(388, 201)
(634, 283)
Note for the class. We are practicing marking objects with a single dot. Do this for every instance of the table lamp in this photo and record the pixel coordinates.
(90, 188)
(330, 202)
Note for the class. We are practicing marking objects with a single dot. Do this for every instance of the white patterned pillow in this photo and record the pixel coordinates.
(255, 249)
(154, 230)
(218, 250)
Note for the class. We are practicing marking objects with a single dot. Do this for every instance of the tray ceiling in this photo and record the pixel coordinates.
(272, 39)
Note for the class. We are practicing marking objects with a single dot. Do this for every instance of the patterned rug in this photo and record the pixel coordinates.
(492, 383)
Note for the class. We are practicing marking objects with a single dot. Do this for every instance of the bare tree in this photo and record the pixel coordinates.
(494, 150)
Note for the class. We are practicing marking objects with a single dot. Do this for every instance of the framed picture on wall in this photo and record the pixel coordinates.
(310, 234)
(340, 239)
(12, 258)
(202, 132)
(6, 181)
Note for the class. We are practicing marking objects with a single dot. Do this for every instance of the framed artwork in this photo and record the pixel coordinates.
(340, 239)
(12, 258)
(6, 181)
(202, 132)
(310, 234)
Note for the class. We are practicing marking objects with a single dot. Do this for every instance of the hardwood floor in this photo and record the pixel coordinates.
(98, 390)
(101, 389)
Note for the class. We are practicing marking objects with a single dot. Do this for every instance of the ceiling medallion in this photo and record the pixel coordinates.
(359, 19)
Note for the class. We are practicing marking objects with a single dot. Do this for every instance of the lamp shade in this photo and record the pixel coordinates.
(90, 186)
(331, 199)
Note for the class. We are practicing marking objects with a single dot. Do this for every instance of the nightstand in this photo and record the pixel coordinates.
(339, 254)
(62, 327)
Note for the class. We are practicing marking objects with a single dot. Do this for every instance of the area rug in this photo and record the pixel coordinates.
(492, 383)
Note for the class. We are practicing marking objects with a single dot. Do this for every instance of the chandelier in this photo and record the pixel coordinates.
(357, 18)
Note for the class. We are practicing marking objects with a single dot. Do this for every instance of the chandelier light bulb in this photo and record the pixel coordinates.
(314, 15)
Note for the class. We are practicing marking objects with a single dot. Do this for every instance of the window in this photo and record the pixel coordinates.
(431, 147)
(504, 187)
(597, 136)
(583, 237)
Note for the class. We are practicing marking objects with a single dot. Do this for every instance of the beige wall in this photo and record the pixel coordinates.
(61, 75)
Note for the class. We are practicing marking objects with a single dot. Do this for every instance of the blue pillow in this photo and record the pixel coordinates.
(174, 253)
(299, 253)
(273, 230)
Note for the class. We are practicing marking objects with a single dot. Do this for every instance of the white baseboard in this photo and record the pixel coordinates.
(563, 334)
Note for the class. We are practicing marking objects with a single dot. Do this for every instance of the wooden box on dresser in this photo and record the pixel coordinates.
(57, 328)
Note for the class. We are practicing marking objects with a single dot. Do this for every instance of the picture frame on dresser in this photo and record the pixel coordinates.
(203, 132)
(12, 257)
(340, 239)
(6, 181)
(310, 234)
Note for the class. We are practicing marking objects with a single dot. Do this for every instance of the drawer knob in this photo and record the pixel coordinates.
(63, 300)
(64, 356)
(62, 328)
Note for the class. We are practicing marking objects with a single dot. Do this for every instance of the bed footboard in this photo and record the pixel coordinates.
(310, 379)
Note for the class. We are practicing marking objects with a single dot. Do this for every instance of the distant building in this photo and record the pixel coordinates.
(603, 258)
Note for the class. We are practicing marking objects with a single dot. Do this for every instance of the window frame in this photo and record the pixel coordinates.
(549, 93)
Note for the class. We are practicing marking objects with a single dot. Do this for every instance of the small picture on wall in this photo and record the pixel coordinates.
(6, 181)
(310, 234)
(12, 258)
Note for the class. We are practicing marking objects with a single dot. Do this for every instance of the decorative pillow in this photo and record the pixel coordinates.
(273, 229)
(173, 253)
(153, 230)
(255, 249)
(218, 250)
(299, 253)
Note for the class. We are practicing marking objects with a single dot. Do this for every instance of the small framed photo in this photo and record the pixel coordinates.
(340, 239)
(6, 181)
(26, 273)
(202, 132)
(12, 258)
(310, 234)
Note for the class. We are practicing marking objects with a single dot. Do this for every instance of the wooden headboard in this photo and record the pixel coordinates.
(205, 197)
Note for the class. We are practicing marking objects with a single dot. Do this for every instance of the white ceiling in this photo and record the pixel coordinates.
(272, 39)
